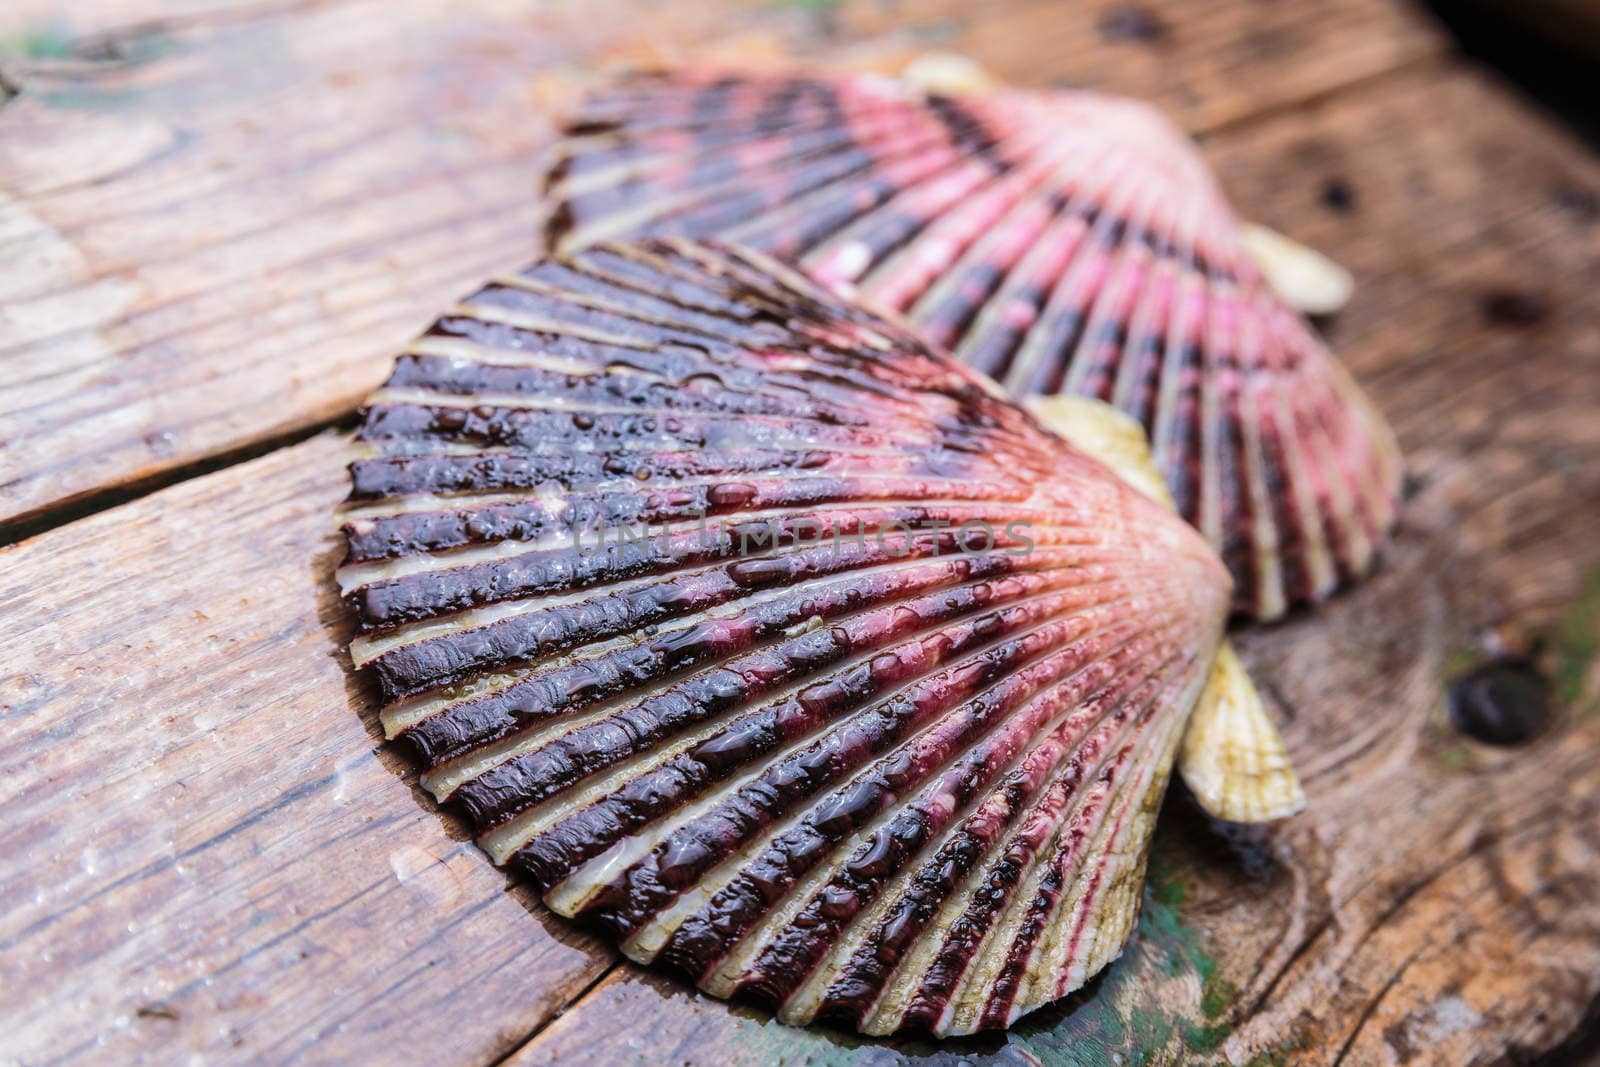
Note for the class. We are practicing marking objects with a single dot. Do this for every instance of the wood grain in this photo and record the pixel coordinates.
(231, 215)
(1423, 167)
(1207, 64)
(233, 228)
(205, 850)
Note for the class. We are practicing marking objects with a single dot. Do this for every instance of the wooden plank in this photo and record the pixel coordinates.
(1207, 64)
(233, 230)
(1440, 898)
(1420, 167)
(205, 849)
(230, 217)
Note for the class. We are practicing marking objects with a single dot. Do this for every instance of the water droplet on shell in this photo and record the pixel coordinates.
(786, 768)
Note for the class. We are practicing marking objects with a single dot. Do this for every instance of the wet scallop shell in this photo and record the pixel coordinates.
(772, 641)
(1232, 759)
(1063, 242)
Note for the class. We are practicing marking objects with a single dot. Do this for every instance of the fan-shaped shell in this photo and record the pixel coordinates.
(872, 721)
(1232, 759)
(1062, 242)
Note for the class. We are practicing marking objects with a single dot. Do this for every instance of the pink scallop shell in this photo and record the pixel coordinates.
(1059, 242)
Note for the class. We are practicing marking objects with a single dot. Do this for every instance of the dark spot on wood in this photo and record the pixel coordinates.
(1512, 307)
(1413, 483)
(158, 1010)
(9, 90)
(1252, 845)
(1132, 23)
(1503, 702)
(1337, 195)
(131, 46)
(1583, 203)
(1398, 1037)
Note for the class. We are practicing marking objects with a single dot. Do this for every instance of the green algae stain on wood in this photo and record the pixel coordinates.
(1577, 646)
(1163, 1001)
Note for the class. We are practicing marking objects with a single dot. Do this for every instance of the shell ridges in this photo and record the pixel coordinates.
(1061, 242)
(898, 772)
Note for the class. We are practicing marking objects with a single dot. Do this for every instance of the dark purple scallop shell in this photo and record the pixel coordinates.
(771, 640)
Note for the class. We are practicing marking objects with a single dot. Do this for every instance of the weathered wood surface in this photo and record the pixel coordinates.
(227, 215)
(204, 850)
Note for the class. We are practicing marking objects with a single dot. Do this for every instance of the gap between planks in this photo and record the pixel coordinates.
(576, 1002)
(14, 531)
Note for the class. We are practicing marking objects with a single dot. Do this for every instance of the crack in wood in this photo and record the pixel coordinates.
(573, 1002)
(31, 524)
(1372, 1006)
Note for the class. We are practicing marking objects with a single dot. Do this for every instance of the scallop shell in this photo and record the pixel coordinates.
(770, 640)
(1063, 242)
(1233, 759)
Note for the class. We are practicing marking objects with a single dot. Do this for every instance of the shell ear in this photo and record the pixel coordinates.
(1303, 278)
(948, 74)
(1102, 432)
(1233, 759)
